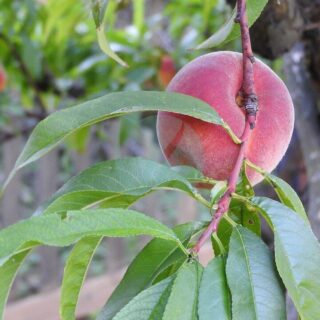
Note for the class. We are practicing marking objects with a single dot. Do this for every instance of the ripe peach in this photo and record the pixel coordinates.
(167, 70)
(3, 79)
(216, 79)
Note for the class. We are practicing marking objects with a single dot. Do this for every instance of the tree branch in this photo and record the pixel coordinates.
(249, 102)
(24, 69)
(307, 124)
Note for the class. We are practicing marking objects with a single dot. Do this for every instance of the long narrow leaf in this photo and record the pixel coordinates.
(55, 231)
(52, 130)
(8, 272)
(156, 256)
(116, 183)
(255, 288)
(230, 30)
(74, 275)
(183, 299)
(287, 195)
(214, 296)
(297, 255)
(149, 304)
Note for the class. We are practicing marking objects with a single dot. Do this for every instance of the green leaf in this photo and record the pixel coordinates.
(74, 275)
(98, 8)
(129, 126)
(231, 30)
(217, 191)
(149, 304)
(214, 296)
(183, 300)
(8, 272)
(223, 233)
(287, 195)
(297, 255)
(222, 35)
(78, 140)
(193, 175)
(56, 231)
(116, 183)
(139, 14)
(105, 46)
(241, 213)
(169, 271)
(246, 215)
(156, 256)
(52, 130)
(255, 288)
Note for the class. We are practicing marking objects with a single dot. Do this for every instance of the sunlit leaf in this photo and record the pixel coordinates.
(55, 230)
(52, 130)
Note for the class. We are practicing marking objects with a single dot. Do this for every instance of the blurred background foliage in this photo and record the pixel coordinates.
(52, 59)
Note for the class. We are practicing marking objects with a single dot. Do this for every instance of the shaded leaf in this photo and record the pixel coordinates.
(254, 285)
(52, 130)
(297, 255)
(249, 217)
(241, 213)
(214, 295)
(217, 191)
(169, 271)
(223, 233)
(156, 256)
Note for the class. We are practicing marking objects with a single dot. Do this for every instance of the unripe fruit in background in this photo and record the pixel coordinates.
(167, 70)
(216, 78)
(3, 79)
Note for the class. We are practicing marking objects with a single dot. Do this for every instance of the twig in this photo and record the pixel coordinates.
(249, 102)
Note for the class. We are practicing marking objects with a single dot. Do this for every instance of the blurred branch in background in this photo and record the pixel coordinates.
(307, 124)
(24, 69)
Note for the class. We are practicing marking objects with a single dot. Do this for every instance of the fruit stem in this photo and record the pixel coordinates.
(250, 104)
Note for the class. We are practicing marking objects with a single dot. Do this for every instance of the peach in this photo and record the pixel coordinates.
(167, 70)
(3, 79)
(216, 79)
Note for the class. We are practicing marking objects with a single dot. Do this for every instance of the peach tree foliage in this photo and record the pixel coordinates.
(244, 281)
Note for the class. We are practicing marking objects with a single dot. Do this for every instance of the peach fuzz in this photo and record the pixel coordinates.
(216, 79)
